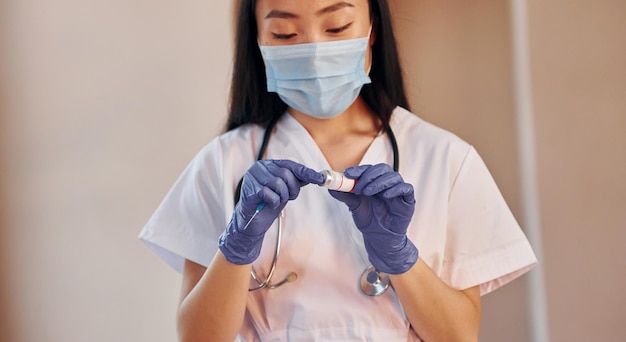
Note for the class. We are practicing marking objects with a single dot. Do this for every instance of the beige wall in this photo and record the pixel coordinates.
(107, 102)
(579, 71)
(458, 59)
(104, 102)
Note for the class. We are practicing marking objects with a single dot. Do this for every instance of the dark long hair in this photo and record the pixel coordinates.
(250, 102)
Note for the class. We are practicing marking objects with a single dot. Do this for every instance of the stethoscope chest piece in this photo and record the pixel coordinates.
(374, 283)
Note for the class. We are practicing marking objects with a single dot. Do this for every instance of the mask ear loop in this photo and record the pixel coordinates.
(369, 37)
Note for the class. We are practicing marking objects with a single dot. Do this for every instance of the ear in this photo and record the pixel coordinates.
(373, 35)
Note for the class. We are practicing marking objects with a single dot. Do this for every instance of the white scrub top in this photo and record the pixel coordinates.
(462, 227)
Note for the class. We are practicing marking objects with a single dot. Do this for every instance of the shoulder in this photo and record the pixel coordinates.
(226, 156)
(241, 141)
(426, 142)
(408, 125)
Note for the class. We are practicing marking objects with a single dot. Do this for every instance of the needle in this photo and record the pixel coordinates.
(258, 208)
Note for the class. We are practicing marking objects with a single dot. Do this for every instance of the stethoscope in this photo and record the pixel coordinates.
(372, 282)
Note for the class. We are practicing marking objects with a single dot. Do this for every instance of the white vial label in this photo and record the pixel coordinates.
(337, 181)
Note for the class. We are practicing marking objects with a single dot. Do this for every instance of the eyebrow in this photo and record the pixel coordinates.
(325, 10)
(333, 8)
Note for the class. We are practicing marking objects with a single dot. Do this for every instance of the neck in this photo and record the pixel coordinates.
(357, 120)
(344, 139)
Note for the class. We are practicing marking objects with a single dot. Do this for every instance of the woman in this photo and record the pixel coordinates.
(323, 79)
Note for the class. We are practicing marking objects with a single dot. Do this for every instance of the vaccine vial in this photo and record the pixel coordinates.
(335, 180)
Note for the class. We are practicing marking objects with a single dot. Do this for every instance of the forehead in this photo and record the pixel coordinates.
(299, 8)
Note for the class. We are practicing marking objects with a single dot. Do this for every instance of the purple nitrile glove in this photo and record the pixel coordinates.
(382, 206)
(266, 188)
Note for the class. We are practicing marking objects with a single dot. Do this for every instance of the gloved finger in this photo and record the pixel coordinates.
(351, 200)
(270, 197)
(304, 174)
(248, 195)
(257, 178)
(250, 200)
(258, 173)
(381, 183)
(403, 191)
(285, 175)
(261, 175)
(354, 172)
(278, 186)
(367, 174)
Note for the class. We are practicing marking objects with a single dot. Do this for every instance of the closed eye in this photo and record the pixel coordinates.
(339, 29)
(283, 36)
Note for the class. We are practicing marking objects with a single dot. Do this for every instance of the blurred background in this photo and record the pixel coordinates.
(104, 102)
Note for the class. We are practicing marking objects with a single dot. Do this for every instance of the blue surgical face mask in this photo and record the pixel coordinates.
(319, 79)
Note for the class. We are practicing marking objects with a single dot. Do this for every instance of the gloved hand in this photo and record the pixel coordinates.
(273, 183)
(382, 206)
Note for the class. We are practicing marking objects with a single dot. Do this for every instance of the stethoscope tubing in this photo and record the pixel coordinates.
(367, 287)
(266, 283)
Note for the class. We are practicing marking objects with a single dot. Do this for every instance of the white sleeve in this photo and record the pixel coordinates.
(485, 245)
(191, 217)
